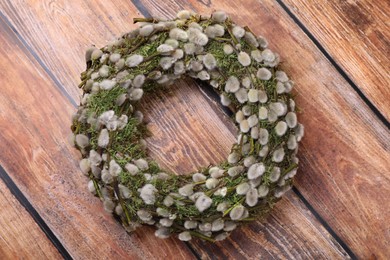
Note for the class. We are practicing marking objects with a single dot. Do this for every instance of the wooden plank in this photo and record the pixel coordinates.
(356, 34)
(34, 128)
(189, 131)
(59, 32)
(344, 172)
(320, 243)
(331, 96)
(290, 232)
(19, 232)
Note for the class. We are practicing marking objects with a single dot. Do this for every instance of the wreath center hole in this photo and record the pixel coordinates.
(188, 130)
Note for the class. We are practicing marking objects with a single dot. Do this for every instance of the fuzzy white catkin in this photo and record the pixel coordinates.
(263, 113)
(82, 140)
(228, 49)
(244, 59)
(197, 37)
(104, 71)
(256, 170)
(264, 151)
(275, 174)
(242, 188)
(203, 75)
(279, 108)
(253, 120)
(234, 171)
(146, 30)
(251, 198)
(248, 161)
(244, 126)
(185, 236)
(178, 34)
(209, 61)
(291, 119)
(198, 177)
(162, 232)
(253, 95)
(183, 14)
(241, 95)
(263, 136)
(114, 58)
(163, 48)
(203, 202)
(85, 166)
(256, 55)
(263, 74)
(108, 205)
(237, 212)
(219, 16)
(262, 191)
(134, 60)
(255, 132)
(189, 48)
(263, 98)
(281, 76)
(107, 84)
(103, 138)
(238, 32)
(147, 194)
(246, 82)
(268, 55)
(142, 164)
(186, 190)
(96, 54)
(217, 225)
(211, 183)
(239, 116)
(281, 128)
(114, 168)
(124, 191)
(91, 187)
(190, 224)
(232, 84)
(135, 94)
(278, 155)
(292, 142)
(139, 80)
(166, 62)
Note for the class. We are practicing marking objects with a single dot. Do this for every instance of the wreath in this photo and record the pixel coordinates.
(108, 128)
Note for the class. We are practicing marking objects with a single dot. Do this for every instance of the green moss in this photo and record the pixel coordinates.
(105, 100)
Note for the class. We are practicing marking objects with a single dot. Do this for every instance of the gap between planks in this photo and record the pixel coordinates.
(33, 213)
(209, 93)
(73, 102)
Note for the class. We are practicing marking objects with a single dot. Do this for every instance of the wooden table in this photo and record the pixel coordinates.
(337, 52)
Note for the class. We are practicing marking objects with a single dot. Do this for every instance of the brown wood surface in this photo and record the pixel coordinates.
(344, 170)
(190, 131)
(356, 34)
(34, 119)
(54, 153)
(20, 236)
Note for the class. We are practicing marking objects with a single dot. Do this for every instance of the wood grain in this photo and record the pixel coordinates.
(19, 234)
(344, 172)
(189, 131)
(34, 124)
(344, 183)
(59, 32)
(272, 239)
(356, 34)
(202, 133)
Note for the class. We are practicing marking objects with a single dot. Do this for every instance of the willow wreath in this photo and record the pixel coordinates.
(109, 130)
